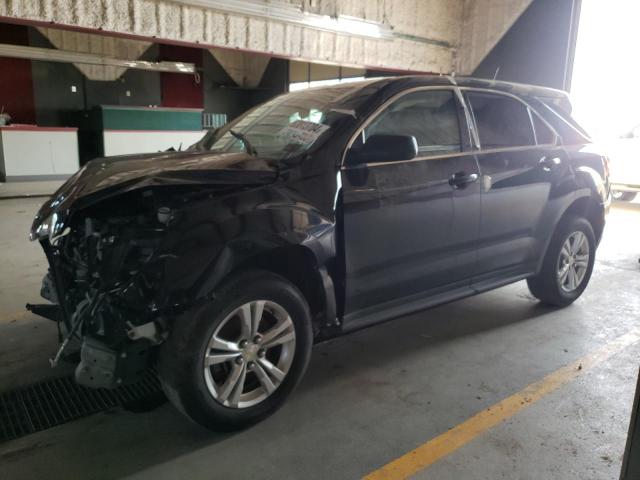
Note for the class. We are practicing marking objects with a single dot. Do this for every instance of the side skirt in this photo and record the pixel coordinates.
(407, 305)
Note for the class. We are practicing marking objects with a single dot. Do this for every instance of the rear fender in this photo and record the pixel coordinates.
(583, 191)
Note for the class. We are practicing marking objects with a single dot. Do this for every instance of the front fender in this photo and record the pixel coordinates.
(203, 251)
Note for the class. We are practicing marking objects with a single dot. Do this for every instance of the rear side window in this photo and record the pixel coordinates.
(501, 121)
(429, 116)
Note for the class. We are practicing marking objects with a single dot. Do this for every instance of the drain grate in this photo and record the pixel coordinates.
(61, 400)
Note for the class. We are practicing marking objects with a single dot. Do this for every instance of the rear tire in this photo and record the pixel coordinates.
(567, 265)
(234, 360)
(624, 196)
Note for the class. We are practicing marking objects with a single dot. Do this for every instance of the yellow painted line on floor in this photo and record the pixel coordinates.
(439, 447)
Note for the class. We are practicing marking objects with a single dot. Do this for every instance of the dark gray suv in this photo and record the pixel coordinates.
(312, 215)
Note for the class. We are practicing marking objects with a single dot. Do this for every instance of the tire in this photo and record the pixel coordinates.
(551, 286)
(206, 394)
(624, 196)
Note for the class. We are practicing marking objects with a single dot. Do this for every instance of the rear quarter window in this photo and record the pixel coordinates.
(568, 129)
(544, 135)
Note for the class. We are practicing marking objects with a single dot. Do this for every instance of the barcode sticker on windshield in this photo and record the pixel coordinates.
(302, 132)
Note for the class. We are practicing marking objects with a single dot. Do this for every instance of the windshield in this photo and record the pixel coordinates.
(287, 125)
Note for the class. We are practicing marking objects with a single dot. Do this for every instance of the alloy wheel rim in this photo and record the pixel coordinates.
(573, 262)
(249, 354)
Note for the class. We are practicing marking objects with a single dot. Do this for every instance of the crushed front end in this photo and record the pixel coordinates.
(130, 242)
(106, 274)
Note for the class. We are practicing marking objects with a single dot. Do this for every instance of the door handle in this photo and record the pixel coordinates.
(549, 163)
(461, 179)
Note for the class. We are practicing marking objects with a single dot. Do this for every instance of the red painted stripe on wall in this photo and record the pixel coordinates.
(178, 89)
(35, 128)
(16, 84)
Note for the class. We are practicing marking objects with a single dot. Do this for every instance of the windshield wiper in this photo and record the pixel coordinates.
(247, 145)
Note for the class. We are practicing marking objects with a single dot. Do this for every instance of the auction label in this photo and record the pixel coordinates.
(302, 132)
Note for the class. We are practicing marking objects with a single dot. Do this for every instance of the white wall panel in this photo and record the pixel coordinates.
(38, 151)
(120, 142)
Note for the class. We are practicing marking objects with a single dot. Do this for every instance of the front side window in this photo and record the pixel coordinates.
(431, 117)
(501, 121)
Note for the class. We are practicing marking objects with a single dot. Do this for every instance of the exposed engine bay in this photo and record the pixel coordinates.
(105, 274)
(130, 243)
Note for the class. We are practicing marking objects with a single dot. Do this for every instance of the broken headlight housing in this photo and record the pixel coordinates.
(52, 227)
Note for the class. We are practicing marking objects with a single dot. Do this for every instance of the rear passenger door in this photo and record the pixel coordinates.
(519, 159)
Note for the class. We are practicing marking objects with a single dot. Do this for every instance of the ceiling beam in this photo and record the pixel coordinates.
(290, 13)
(65, 56)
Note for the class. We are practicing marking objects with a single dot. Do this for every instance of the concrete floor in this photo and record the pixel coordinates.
(370, 397)
(29, 189)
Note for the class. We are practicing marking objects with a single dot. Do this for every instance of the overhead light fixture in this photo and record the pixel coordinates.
(66, 56)
(288, 13)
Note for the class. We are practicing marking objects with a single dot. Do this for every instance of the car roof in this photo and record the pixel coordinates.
(499, 85)
(373, 85)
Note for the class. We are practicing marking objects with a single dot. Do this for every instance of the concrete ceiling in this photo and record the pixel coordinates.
(121, 48)
(428, 35)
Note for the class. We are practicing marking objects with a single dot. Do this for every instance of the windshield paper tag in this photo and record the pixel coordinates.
(302, 132)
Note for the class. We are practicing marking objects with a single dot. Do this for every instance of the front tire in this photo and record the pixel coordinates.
(236, 359)
(567, 265)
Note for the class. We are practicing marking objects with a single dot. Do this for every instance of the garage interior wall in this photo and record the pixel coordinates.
(425, 37)
(16, 90)
(62, 91)
(430, 35)
(52, 94)
(310, 72)
(440, 36)
(538, 48)
(178, 89)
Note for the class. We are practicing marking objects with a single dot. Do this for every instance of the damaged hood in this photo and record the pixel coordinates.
(105, 177)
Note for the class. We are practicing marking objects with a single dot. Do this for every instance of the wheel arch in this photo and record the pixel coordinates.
(590, 209)
(299, 265)
(305, 262)
(585, 206)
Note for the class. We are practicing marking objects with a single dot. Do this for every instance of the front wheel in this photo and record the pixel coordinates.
(623, 196)
(236, 360)
(567, 265)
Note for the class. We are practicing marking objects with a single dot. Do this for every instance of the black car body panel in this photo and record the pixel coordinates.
(145, 239)
(102, 178)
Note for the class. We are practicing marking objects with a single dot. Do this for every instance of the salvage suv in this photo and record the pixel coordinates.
(315, 214)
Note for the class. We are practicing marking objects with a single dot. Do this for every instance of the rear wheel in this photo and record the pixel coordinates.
(623, 196)
(568, 263)
(236, 360)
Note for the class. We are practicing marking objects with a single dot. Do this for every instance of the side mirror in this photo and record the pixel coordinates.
(384, 148)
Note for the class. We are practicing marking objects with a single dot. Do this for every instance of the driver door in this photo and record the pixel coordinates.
(410, 226)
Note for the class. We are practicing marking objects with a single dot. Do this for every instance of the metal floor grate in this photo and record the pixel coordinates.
(60, 400)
